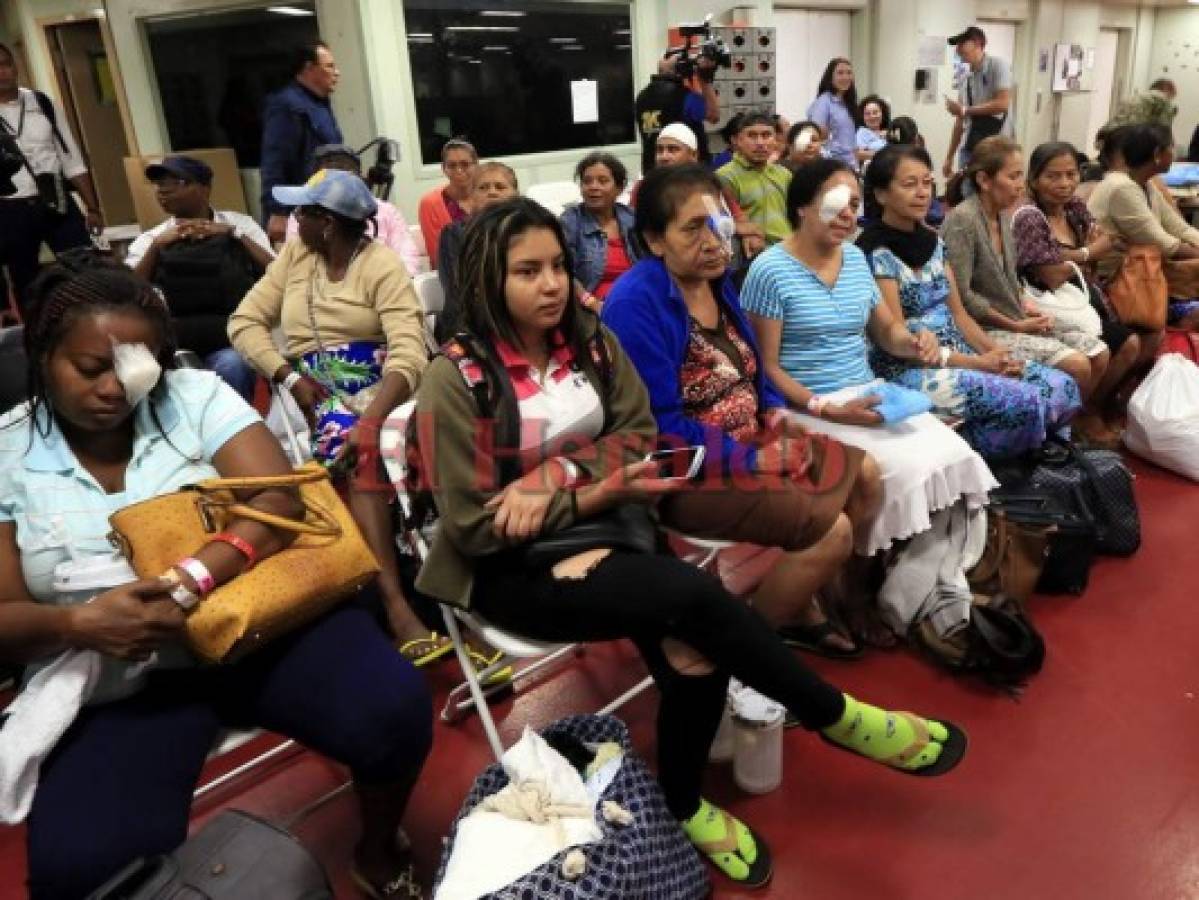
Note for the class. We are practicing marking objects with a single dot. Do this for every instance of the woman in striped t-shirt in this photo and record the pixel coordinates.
(814, 305)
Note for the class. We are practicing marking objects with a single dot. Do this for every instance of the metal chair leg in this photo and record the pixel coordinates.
(472, 680)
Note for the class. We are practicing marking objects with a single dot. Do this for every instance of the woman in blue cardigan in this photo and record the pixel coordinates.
(767, 482)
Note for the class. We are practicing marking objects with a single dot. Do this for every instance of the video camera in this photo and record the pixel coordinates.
(11, 162)
(379, 177)
(692, 51)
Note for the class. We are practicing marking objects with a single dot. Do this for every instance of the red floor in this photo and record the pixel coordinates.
(1087, 787)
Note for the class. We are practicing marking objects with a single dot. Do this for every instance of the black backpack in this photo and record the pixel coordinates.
(203, 282)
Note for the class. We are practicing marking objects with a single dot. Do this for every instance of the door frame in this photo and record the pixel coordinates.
(47, 48)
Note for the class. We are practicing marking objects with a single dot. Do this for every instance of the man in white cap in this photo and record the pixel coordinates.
(676, 145)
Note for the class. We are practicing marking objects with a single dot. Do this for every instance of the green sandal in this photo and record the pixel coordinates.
(726, 842)
(424, 650)
(481, 661)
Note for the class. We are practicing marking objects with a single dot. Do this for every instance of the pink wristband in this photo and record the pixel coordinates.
(199, 574)
(816, 405)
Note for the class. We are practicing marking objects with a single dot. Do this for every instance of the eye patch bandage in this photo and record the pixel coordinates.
(803, 140)
(136, 369)
(833, 202)
(722, 224)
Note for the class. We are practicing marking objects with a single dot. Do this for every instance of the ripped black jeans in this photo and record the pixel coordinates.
(648, 598)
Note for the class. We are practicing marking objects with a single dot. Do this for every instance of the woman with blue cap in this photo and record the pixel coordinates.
(354, 351)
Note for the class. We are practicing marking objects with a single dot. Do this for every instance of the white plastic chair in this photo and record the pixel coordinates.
(538, 655)
(555, 195)
(432, 299)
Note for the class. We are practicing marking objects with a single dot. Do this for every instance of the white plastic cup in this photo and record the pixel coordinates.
(757, 743)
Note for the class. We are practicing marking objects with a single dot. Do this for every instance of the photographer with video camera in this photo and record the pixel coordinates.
(40, 165)
(682, 91)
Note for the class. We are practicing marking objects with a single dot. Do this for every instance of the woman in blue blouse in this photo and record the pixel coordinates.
(835, 109)
(599, 231)
(874, 120)
(1007, 406)
(90, 441)
(679, 320)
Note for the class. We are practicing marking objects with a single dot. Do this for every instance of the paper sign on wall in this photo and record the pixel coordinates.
(930, 52)
(584, 101)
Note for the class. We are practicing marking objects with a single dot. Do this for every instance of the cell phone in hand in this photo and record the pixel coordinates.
(681, 464)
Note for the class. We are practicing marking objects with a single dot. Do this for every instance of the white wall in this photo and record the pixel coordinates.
(1174, 54)
(370, 43)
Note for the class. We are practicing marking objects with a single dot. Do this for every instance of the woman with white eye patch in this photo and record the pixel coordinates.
(815, 309)
(110, 423)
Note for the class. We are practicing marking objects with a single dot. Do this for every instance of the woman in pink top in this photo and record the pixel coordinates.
(449, 202)
(391, 229)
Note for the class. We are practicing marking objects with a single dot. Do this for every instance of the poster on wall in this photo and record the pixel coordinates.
(1069, 68)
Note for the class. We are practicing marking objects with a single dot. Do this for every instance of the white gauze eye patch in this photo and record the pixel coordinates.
(833, 201)
(136, 369)
(721, 223)
(803, 140)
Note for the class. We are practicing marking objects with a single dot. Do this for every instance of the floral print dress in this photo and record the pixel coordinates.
(718, 390)
(1002, 416)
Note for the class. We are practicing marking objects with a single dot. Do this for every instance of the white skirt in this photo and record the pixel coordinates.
(925, 465)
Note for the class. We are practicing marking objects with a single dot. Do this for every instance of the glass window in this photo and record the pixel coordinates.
(215, 69)
(500, 73)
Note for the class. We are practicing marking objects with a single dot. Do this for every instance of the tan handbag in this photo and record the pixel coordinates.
(1013, 559)
(1138, 291)
(327, 562)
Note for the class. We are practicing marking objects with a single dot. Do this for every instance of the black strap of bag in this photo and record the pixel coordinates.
(47, 108)
(999, 643)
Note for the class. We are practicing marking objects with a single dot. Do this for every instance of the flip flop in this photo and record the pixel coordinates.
(814, 639)
(760, 870)
(424, 650)
(953, 748)
(481, 661)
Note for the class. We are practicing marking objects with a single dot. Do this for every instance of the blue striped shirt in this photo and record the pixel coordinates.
(823, 344)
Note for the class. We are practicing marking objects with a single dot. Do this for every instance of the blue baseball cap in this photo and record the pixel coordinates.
(339, 192)
(185, 168)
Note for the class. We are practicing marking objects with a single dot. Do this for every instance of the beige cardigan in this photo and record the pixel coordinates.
(1140, 216)
(375, 301)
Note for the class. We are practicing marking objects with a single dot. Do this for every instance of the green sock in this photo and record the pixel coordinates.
(883, 736)
(708, 829)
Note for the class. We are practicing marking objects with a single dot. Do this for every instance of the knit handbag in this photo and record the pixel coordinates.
(327, 561)
(651, 859)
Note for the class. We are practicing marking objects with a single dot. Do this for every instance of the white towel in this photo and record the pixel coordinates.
(37, 718)
(928, 577)
(492, 850)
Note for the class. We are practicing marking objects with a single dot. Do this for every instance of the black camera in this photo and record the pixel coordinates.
(707, 47)
(379, 177)
(11, 162)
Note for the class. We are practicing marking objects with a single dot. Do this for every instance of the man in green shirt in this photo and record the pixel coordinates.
(758, 185)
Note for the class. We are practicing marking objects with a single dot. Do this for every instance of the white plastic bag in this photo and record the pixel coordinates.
(285, 420)
(1070, 305)
(1163, 416)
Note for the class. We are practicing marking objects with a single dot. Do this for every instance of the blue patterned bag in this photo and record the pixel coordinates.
(648, 860)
